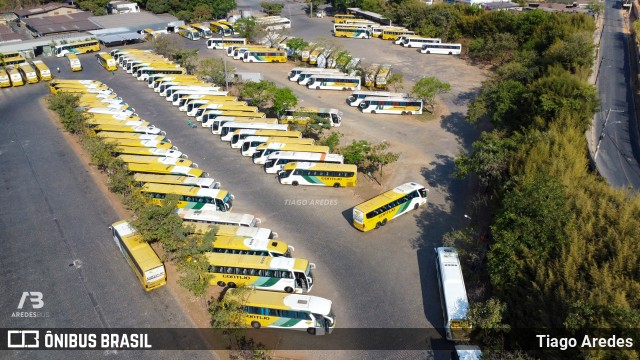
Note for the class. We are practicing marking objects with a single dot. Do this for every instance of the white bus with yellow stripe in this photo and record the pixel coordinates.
(250, 143)
(284, 311)
(285, 274)
(277, 160)
(147, 159)
(139, 143)
(190, 197)
(264, 150)
(318, 174)
(164, 169)
(376, 212)
(201, 182)
(130, 136)
(391, 105)
(239, 135)
(133, 150)
(231, 230)
(93, 121)
(250, 246)
(124, 128)
(214, 217)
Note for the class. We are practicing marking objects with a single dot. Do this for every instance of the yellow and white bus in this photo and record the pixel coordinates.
(224, 43)
(93, 122)
(15, 76)
(42, 70)
(14, 60)
(221, 28)
(274, 23)
(28, 73)
(313, 55)
(139, 143)
(334, 82)
(358, 96)
(214, 217)
(144, 72)
(350, 31)
(227, 129)
(340, 18)
(9, 54)
(204, 31)
(303, 115)
(418, 42)
(319, 174)
(394, 34)
(106, 61)
(265, 56)
(143, 260)
(205, 183)
(124, 128)
(383, 74)
(249, 246)
(239, 135)
(277, 160)
(80, 91)
(130, 136)
(290, 275)
(134, 66)
(285, 311)
(365, 22)
(453, 294)
(80, 47)
(4, 79)
(133, 150)
(238, 52)
(376, 31)
(150, 159)
(250, 143)
(443, 49)
(264, 150)
(215, 122)
(190, 197)
(390, 105)
(164, 169)
(188, 32)
(256, 233)
(188, 102)
(215, 107)
(74, 62)
(149, 34)
(377, 211)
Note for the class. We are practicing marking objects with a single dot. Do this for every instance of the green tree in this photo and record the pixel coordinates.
(166, 45)
(202, 12)
(161, 224)
(573, 52)
(332, 141)
(396, 81)
(212, 70)
(272, 8)
(185, 15)
(314, 127)
(247, 28)
(193, 266)
(220, 8)
(158, 6)
(297, 45)
(188, 59)
(65, 104)
(428, 88)
(379, 156)
(259, 93)
(356, 152)
(487, 320)
(283, 99)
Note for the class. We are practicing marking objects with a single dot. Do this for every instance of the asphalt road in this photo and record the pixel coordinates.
(53, 229)
(617, 156)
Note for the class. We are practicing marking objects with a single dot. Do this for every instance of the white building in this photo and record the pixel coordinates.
(122, 7)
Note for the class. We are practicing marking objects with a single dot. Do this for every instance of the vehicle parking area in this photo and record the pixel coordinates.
(384, 278)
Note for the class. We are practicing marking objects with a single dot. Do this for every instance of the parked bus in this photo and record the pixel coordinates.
(400, 40)
(145, 72)
(9, 54)
(213, 108)
(123, 128)
(173, 92)
(14, 76)
(94, 123)
(42, 70)
(80, 47)
(74, 62)
(303, 115)
(305, 77)
(256, 233)
(263, 151)
(214, 217)
(294, 74)
(351, 32)
(238, 52)
(134, 66)
(390, 105)
(453, 294)
(144, 262)
(393, 34)
(14, 60)
(376, 31)
(106, 61)
(265, 56)
(419, 42)
(149, 34)
(130, 136)
(227, 129)
(205, 183)
(139, 143)
(248, 246)
(375, 212)
(285, 274)
(358, 96)
(221, 28)
(238, 114)
(164, 169)
(320, 174)
(150, 159)
(190, 197)
(188, 102)
(224, 43)
(277, 160)
(333, 82)
(274, 23)
(357, 21)
(240, 135)
(370, 75)
(188, 32)
(204, 31)
(5, 81)
(340, 18)
(215, 122)
(136, 150)
(285, 311)
(250, 143)
(443, 49)
(383, 74)
(28, 73)
(313, 56)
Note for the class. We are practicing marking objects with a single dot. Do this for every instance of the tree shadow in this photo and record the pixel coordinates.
(466, 97)
(457, 124)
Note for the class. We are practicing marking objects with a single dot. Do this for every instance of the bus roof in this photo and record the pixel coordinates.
(174, 179)
(306, 165)
(215, 216)
(247, 243)
(150, 159)
(294, 147)
(184, 190)
(145, 256)
(164, 169)
(453, 289)
(257, 262)
(148, 151)
(139, 143)
(315, 110)
(305, 156)
(385, 98)
(284, 301)
(244, 231)
(388, 196)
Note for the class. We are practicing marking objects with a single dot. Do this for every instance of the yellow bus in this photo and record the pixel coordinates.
(201, 182)
(4, 79)
(213, 217)
(106, 61)
(265, 56)
(349, 31)
(304, 115)
(221, 28)
(149, 34)
(188, 32)
(340, 18)
(9, 54)
(129, 136)
(264, 150)
(237, 139)
(453, 294)
(94, 122)
(290, 275)
(28, 73)
(383, 74)
(375, 212)
(80, 47)
(320, 174)
(14, 75)
(257, 233)
(14, 60)
(394, 34)
(138, 143)
(42, 70)
(204, 31)
(133, 150)
(284, 311)
(249, 144)
(124, 128)
(249, 246)
(150, 159)
(191, 197)
(74, 62)
(164, 169)
(140, 256)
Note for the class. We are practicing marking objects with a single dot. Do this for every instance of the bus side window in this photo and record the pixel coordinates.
(254, 272)
(269, 273)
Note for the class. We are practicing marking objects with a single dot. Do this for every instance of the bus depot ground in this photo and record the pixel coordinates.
(58, 243)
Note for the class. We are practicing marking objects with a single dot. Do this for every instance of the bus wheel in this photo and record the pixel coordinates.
(373, 111)
(288, 289)
(415, 207)
(255, 325)
(428, 52)
(317, 87)
(403, 113)
(336, 185)
(221, 283)
(311, 331)
(450, 53)
(378, 225)
(294, 183)
(232, 285)
(384, 222)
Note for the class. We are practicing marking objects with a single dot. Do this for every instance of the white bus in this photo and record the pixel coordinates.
(400, 39)
(453, 294)
(318, 174)
(201, 182)
(177, 94)
(221, 44)
(333, 82)
(228, 128)
(444, 49)
(261, 155)
(273, 23)
(169, 87)
(305, 77)
(277, 160)
(218, 217)
(294, 74)
(357, 96)
(391, 105)
(418, 42)
(249, 144)
(257, 233)
(303, 115)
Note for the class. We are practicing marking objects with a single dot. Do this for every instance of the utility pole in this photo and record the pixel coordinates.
(224, 61)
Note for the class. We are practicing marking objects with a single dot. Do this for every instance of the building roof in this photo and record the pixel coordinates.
(10, 37)
(61, 23)
(42, 9)
(127, 20)
(4, 29)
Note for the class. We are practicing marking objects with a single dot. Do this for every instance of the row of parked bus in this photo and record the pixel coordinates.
(428, 45)
(324, 79)
(242, 256)
(17, 71)
(383, 102)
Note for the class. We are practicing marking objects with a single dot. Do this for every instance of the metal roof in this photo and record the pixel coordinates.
(117, 38)
(61, 23)
(42, 9)
(127, 20)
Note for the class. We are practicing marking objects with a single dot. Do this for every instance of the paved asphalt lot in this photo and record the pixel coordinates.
(53, 216)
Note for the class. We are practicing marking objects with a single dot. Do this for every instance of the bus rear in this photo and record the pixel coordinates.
(74, 62)
(28, 73)
(4, 79)
(42, 70)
